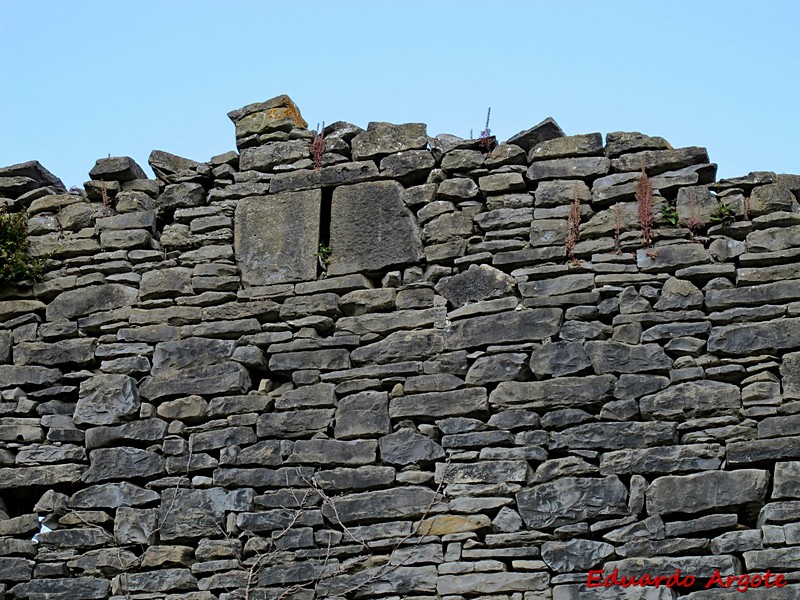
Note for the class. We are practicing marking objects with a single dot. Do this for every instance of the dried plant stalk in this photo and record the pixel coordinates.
(317, 147)
(644, 196)
(573, 227)
(617, 229)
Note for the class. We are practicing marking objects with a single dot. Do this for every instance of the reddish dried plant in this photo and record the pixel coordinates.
(317, 147)
(644, 196)
(487, 139)
(693, 222)
(617, 229)
(746, 208)
(573, 228)
(108, 202)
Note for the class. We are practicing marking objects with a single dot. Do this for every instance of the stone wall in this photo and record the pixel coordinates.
(374, 371)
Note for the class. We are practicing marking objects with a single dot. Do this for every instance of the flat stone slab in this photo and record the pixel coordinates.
(371, 229)
(275, 238)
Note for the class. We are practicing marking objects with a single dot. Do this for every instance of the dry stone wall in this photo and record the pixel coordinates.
(374, 371)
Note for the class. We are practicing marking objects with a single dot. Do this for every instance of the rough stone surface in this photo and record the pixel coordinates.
(375, 372)
(275, 237)
(371, 229)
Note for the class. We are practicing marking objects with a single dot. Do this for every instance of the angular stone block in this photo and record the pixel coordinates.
(371, 229)
(275, 238)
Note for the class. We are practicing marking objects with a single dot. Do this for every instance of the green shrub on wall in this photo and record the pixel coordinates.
(15, 263)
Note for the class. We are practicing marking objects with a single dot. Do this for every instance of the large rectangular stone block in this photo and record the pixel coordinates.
(276, 238)
(371, 229)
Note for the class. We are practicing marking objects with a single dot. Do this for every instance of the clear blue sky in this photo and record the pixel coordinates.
(83, 79)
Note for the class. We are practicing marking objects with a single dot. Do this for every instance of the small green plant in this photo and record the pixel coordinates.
(723, 213)
(15, 262)
(324, 254)
(669, 212)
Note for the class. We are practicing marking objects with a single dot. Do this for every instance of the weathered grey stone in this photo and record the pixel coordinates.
(787, 480)
(457, 189)
(703, 491)
(135, 525)
(411, 166)
(73, 588)
(122, 463)
(353, 452)
(491, 583)
(590, 144)
(12, 375)
(490, 471)
(116, 168)
(693, 399)
(660, 161)
(146, 430)
(226, 378)
(548, 232)
(294, 423)
(763, 450)
(314, 396)
(355, 479)
(400, 345)
(462, 160)
(498, 367)
(112, 495)
(189, 353)
(568, 168)
(554, 393)
(748, 338)
(671, 257)
(275, 237)
(385, 138)
(379, 581)
(276, 114)
(614, 436)
(76, 351)
(371, 229)
(440, 404)
(222, 438)
(679, 294)
(360, 302)
(328, 359)
(695, 206)
(506, 327)
(624, 142)
(181, 195)
(268, 156)
(479, 282)
(766, 199)
(89, 300)
(192, 514)
(396, 503)
(768, 293)
(571, 500)
(527, 139)
(668, 459)
(165, 283)
(162, 580)
(609, 356)
(406, 447)
(575, 555)
(559, 358)
(106, 399)
(364, 414)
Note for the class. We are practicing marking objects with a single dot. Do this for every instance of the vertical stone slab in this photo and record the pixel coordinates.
(275, 238)
(371, 229)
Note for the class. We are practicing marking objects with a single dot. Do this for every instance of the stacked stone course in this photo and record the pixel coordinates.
(254, 378)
